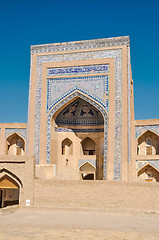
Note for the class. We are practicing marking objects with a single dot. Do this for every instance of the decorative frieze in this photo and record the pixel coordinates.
(81, 45)
(76, 130)
(139, 130)
(20, 131)
(96, 86)
(153, 163)
(83, 161)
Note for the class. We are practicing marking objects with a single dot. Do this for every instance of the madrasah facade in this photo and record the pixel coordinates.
(80, 121)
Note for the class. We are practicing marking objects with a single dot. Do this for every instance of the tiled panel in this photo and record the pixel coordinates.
(96, 86)
(141, 129)
(141, 164)
(20, 131)
(82, 161)
(117, 55)
(81, 45)
(76, 130)
(90, 69)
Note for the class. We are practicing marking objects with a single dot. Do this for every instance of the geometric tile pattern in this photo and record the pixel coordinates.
(154, 163)
(20, 131)
(82, 161)
(96, 86)
(80, 45)
(129, 94)
(117, 55)
(141, 129)
(81, 130)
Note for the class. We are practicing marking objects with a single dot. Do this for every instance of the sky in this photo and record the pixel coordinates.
(26, 23)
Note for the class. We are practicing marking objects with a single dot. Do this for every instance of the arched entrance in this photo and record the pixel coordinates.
(15, 145)
(149, 173)
(88, 171)
(148, 143)
(81, 125)
(9, 189)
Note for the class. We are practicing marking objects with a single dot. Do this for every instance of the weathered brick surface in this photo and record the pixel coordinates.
(97, 194)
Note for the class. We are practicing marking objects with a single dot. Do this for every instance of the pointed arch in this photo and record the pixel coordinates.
(88, 146)
(148, 168)
(146, 131)
(67, 100)
(88, 171)
(67, 147)
(87, 164)
(78, 92)
(15, 142)
(4, 172)
(148, 143)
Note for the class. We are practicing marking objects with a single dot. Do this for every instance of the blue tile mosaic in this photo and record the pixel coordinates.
(95, 86)
(117, 55)
(20, 131)
(81, 45)
(90, 69)
(153, 163)
(82, 161)
(76, 130)
(129, 95)
(139, 130)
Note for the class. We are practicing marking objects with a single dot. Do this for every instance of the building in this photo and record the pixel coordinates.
(80, 121)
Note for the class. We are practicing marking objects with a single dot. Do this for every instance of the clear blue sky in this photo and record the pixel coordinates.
(25, 23)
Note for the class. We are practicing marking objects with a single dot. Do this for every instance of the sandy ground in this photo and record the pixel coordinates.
(67, 224)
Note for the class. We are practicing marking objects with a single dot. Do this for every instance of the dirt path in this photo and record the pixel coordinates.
(71, 224)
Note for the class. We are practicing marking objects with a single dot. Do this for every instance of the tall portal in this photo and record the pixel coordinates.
(80, 109)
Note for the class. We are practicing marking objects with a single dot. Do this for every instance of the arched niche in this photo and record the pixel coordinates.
(15, 145)
(67, 147)
(77, 119)
(88, 171)
(88, 146)
(149, 173)
(10, 187)
(148, 143)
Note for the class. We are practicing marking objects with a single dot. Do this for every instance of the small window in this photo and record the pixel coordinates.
(88, 146)
(138, 150)
(149, 176)
(149, 150)
(18, 151)
(149, 141)
(67, 147)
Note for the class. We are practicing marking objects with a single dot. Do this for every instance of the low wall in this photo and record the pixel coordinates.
(97, 194)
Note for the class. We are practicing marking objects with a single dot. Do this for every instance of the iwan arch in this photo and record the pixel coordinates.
(80, 121)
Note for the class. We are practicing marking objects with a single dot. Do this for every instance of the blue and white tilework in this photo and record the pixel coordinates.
(129, 94)
(20, 131)
(81, 45)
(141, 164)
(90, 69)
(82, 161)
(76, 130)
(142, 129)
(96, 105)
(117, 55)
(95, 86)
